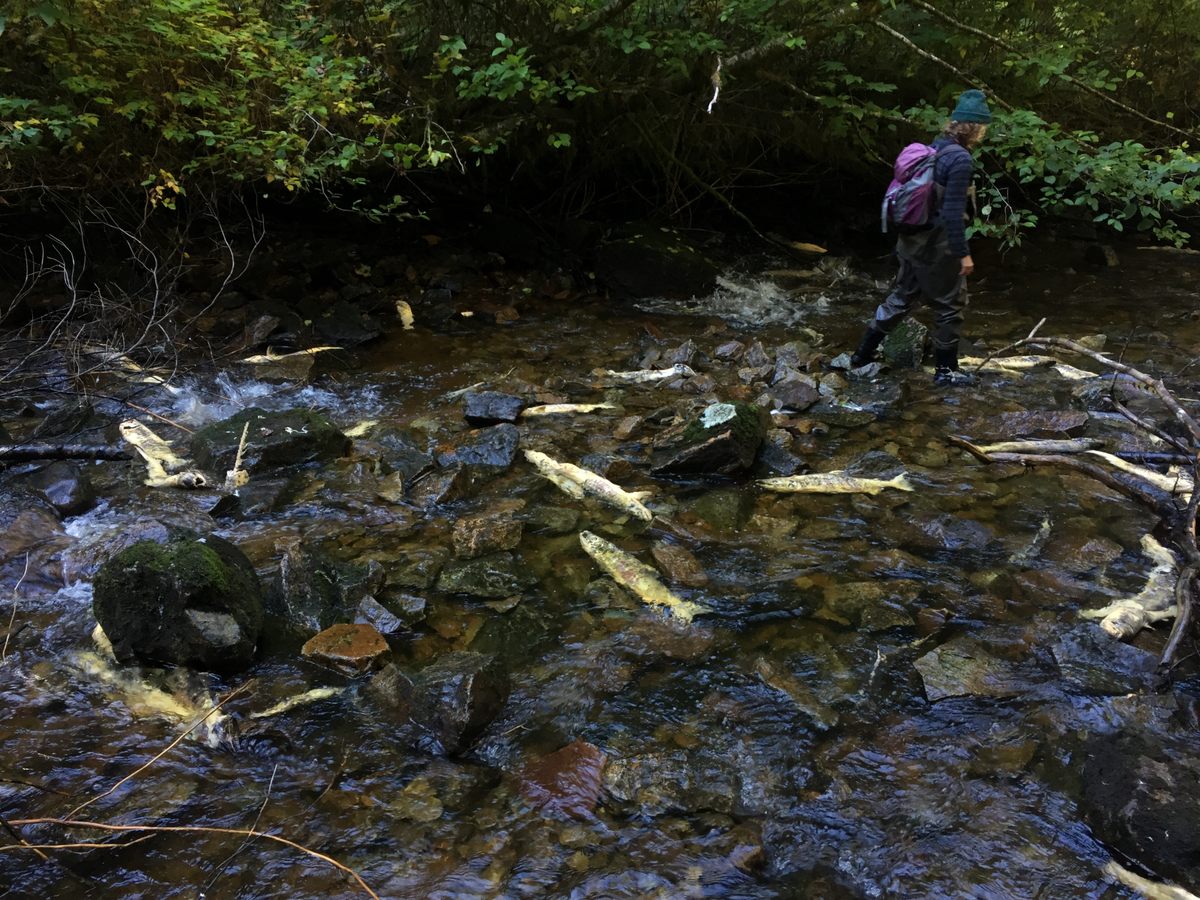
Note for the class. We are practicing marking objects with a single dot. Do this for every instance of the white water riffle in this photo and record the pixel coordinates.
(748, 300)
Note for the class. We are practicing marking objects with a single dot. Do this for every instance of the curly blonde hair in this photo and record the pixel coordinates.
(968, 134)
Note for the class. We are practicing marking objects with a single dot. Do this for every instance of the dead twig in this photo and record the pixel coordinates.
(987, 359)
(13, 615)
(200, 721)
(181, 829)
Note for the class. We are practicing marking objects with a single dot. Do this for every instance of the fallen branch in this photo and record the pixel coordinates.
(987, 359)
(142, 768)
(178, 829)
(13, 616)
(1155, 384)
(35, 452)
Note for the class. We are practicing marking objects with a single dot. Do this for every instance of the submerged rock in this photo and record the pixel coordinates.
(65, 486)
(1098, 663)
(494, 576)
(446, 706)
(191, 602)
(962, 667)
(488, 533)
(495, 446)
(491, 407)
(679, 564)
(1010, 426)
(274, 439)
(316, 591)
(352, 648)
(1141, 795)
(723, 440)
(565, 781)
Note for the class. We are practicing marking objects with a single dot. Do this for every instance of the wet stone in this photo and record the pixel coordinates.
(685, 353)
(730, 350)
(962, 667)
(65, 421)
(551, 520)
(65, 486)
(776, 454)
(445, 707)
(840, 416)
(456, 483)
(406, 452)
(757, 356)
(795, 394)
(274, 439)
(679, 564)
(495, 446)
(491, 408)
(351, 648)
(1011, 426)
(627, 428)
(608, 465)
(372, 612)
(1141, 795)
(315, 591)
(1097, 663)
(870, 605)
(495, 576)
(565, 781)
(724, 439)
(192, 602)
(488, 533)
(418, 568)
(904, 347)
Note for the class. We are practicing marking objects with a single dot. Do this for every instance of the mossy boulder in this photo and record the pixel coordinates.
(904, 347)
(722, 440)
(193, 601)
(286, 438)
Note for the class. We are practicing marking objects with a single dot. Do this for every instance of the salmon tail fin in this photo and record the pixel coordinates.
(686, 611)
(901, 483)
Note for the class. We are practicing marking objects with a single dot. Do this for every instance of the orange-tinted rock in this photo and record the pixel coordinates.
(351, 648)
(567, 780)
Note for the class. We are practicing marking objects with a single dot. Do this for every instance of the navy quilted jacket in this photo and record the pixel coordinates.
(952, 171)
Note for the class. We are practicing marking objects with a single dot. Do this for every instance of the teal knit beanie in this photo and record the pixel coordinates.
(972, 107)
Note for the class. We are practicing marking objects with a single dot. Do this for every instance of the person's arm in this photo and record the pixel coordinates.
(954, 206)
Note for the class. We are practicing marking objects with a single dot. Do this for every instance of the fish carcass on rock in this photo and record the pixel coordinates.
(578, 481)
(638, 578)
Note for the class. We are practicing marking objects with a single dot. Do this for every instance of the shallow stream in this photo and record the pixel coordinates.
(783, 746)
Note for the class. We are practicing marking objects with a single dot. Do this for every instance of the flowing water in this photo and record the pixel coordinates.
(782, 746)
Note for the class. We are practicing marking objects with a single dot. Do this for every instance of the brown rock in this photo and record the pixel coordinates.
(477, 535)
(627, 428)
(351, 648)
(679, 564)
(1014, 425)
(567, 780)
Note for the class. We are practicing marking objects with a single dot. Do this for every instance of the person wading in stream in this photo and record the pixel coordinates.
(935, 259)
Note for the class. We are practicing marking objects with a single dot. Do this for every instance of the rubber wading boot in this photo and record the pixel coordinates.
(945, 367)
(867, 347)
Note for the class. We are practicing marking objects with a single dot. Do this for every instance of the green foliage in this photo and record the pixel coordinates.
(341, 96)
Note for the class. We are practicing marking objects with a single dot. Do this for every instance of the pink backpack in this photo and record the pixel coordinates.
(909, 198)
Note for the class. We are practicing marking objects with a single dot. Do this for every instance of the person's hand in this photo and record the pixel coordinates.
(968, 266)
